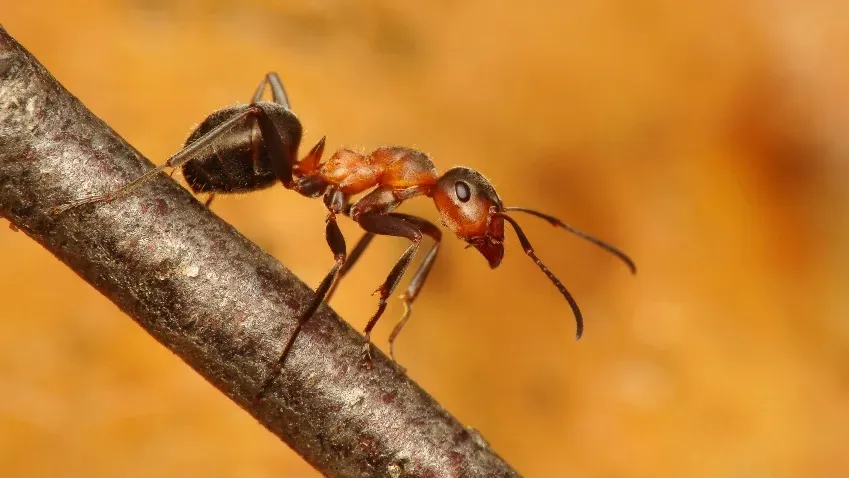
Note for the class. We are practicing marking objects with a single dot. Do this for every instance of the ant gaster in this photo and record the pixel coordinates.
(250, 147)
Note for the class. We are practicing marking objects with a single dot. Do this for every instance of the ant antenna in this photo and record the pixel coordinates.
(558, 223)
(529, 250)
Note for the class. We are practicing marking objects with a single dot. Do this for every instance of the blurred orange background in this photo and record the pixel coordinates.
(707, 139)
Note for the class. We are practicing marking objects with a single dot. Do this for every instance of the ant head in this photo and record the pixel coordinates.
(468, 205)
(471, 208)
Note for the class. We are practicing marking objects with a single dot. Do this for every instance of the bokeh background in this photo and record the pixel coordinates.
(708, 139)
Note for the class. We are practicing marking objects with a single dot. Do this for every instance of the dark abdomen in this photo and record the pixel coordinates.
(238, 160)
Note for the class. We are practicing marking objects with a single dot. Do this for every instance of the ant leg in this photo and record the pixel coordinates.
(209, 199)
(257, 96)
(389, 226)
(278, 93)
(355, 254)
(185, 155)
(281, 160)
(337, 244)
(419, 277)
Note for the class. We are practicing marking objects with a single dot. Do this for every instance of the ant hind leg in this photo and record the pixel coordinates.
(278, 93)
(180, 158)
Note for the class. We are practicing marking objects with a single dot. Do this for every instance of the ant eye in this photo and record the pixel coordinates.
(464, 193)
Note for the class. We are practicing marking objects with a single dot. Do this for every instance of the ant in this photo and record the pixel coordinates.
(250, 147)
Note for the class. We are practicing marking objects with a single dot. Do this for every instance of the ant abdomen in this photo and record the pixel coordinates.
(239, 161)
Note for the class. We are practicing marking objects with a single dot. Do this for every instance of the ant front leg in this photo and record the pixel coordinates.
(389, 226)
(336, 241)
(416, 283)
(372, 213)
(380, 199)
(420, 275)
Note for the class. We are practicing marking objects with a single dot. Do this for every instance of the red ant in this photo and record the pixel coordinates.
(250, 147)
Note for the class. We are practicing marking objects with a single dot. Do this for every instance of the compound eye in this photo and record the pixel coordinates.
(464, 192)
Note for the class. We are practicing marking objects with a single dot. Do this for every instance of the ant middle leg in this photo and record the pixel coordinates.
(355, 254)
(389, 226)
(336, 241)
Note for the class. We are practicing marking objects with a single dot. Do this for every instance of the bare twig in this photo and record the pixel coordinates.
(211, 296)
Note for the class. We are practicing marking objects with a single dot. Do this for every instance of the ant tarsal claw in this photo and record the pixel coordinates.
(263, 390)
(58, 210)
(366, 354)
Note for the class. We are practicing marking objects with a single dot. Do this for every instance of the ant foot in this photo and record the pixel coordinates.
(366, 354)
(59, 210)
(263, 390)
(401, 368)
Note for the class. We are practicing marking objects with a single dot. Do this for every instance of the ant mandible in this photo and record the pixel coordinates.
(250, 147)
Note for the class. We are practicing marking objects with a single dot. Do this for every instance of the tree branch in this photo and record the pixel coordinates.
(215, 299)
